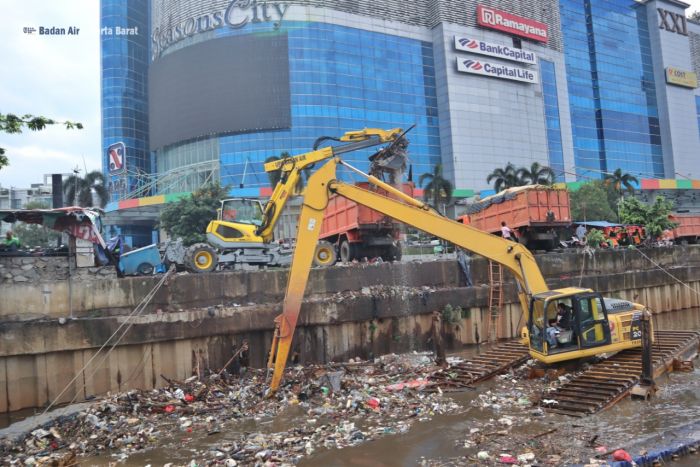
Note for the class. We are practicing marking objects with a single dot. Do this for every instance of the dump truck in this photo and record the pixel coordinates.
(358, 231)
(688, 228)
(536, 213)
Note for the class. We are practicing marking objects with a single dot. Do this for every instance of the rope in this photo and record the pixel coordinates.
(137, 311)
(668, 273)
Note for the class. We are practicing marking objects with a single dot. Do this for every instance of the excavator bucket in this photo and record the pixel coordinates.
(390, 161)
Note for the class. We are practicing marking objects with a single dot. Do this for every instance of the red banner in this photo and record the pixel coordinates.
(512, 24)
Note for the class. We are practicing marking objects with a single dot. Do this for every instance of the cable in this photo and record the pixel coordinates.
(139, 308)
(668, 273)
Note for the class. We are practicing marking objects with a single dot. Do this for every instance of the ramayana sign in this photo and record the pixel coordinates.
(496, 70)
(513, 24)
(236, 15)
(476, 46)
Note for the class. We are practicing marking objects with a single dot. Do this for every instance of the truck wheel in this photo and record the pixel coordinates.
(145, 269)
(201, 257)
(347, 251)
(325, 254)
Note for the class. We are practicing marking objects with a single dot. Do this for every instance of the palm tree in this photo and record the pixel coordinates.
(620, 181)
(275, 175)
(505, 178)
(537, 174)
(77, 191)
(438, 190)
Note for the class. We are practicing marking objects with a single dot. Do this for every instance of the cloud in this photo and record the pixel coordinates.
(54, 76)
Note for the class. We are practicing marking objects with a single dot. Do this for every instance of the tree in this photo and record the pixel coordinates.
(188, 217)
(36, 235)
(620, 181)
(77, 191)
(695, 16)
(653, 217)
(591, 203)
(536, 175)
(10, 123)
(438, 189)
(505, 178)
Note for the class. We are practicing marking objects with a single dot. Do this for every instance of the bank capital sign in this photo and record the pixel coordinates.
(496, 70)
(512, 24)
(477, 46)
(236, 15)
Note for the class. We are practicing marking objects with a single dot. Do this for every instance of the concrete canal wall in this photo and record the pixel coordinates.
(195, 321)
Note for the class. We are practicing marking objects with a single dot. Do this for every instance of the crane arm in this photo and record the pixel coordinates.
(322, 184)
(291, 168)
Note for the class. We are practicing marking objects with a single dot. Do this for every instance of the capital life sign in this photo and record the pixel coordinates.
(476, 46)
(496, 70)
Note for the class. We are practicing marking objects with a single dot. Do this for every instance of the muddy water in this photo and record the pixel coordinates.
(441, 441)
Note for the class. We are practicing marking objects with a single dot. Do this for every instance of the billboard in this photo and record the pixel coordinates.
(476, 46)
(497, 70)
(116, 154)
(512, 24)
(227, 85)
(683, 78)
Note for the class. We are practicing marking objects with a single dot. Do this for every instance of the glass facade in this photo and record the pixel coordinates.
(697, 108)
(341, 79)
(551, 115)
(611, 88)
(124, 68)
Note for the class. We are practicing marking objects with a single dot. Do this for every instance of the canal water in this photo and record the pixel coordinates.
(448, 439)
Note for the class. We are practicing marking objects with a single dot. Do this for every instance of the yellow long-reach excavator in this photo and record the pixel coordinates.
(587, 324)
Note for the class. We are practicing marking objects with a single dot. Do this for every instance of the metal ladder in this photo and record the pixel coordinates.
(495, 299)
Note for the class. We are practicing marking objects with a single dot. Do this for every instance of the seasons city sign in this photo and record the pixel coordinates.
(476, 46)
(496, 70)
(507, 22)
(236, 15)
(679, 77)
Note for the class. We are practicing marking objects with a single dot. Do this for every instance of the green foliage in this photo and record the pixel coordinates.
(188, 217)
(77, 191)
(592, 202)
(594, 238)
(10, 123)
(536, 175)
(505, 178)
(653, 217)
(452, 315)
(620, 181)
(509, 176)
(437, 190)
(35, 235)
(695, 16)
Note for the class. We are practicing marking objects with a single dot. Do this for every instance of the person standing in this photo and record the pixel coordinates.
(506, 231)
(581, 233)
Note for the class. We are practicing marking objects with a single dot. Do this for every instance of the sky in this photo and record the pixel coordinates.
(58, 77)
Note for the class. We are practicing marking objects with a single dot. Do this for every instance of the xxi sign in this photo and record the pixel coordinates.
(672, 22)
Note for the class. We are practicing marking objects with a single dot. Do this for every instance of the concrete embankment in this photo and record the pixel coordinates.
(194, 321)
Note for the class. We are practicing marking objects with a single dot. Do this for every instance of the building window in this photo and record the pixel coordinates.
(551, 115)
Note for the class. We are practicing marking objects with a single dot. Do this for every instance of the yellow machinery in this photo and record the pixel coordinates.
(243, 231)
(596, 325)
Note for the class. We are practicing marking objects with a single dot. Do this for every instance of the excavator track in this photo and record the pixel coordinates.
(481, 367)
(606, 383)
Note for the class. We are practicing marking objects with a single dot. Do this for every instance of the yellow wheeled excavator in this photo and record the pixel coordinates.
(243, 231)
(586, 323)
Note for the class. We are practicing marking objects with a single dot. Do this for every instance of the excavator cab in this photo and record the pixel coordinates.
(563, 322)
(243, 210)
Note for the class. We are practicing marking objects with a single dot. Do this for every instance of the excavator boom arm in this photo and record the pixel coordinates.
(291, 168)
(321, 185)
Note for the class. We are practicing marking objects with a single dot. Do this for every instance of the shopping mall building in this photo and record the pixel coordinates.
(194, 91)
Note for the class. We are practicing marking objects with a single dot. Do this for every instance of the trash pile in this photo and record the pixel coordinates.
(325, 407)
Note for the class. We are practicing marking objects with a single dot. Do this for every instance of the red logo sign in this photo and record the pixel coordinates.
(496, 19)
